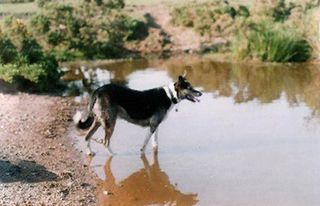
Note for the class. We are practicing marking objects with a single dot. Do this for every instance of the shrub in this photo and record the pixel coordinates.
(8, 72)
(112, 4)
(208, 19)
(266, 42)
(282, 11)
(135, 29)
(91, 29)
(8, 51)
(31, 50)
(40, 23)
(49, 79)
(243, 11)
(42, 76)
(27, 65)
(42, 3)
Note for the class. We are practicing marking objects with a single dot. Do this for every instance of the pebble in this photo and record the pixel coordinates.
(70, 184)
(105, 192)
(66, 174)
(87, 186)
(64, 193)
(52, 185)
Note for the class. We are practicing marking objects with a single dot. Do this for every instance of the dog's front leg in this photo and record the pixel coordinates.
(155, 140)
(154, 123)
(149, 135)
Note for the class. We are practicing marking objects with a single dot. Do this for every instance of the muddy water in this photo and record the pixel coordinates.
(254, 139)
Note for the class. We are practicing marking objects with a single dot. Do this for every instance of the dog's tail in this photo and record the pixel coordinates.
(77, 118)
(83, 124)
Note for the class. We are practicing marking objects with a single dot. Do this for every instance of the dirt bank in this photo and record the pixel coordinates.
(38, 163)
(165, 38)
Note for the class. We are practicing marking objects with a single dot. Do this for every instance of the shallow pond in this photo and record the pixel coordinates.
(252, 140)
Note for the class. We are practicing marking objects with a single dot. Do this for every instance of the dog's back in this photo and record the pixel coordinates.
(139, 105)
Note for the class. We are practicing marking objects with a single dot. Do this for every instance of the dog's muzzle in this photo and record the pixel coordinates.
(192, 96)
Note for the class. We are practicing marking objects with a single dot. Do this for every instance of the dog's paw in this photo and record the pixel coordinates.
(154, 146)
(112, 154)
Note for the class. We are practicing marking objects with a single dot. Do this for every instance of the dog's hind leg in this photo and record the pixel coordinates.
(96, 124)
(108, 128)
(108, 125)
(107, 115)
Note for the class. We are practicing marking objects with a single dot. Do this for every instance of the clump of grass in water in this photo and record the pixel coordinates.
(271, 44)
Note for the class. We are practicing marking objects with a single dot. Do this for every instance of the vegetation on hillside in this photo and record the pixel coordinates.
(214, 18)
(269, 32)
(90, 30)
(23, 62)
(30, 48)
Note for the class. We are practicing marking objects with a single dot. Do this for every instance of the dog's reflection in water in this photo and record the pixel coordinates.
(148, 186)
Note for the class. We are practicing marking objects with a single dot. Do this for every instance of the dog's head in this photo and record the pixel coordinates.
(185, 90)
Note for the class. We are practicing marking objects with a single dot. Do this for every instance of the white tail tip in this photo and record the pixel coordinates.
(77, 117)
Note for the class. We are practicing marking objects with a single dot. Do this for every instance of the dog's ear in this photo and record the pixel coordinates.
(184, 73)
(182, 77)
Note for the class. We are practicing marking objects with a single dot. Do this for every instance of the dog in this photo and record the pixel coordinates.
(145, 108)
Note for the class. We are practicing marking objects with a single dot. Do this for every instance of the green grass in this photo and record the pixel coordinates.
(268, 43)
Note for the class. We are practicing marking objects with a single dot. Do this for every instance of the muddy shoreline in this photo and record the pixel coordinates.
(39, 164)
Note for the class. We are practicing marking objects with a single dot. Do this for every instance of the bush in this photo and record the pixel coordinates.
(112, 4)
(282, 11)
(135, 29)
(42, 76)
(9, 72)
(42, 3)
(31, 51)
(266, 42)
(8, 51)
(208, 19)
(91, 29)
(40, 23)
(27, 65)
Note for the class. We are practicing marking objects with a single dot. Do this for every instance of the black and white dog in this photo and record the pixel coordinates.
(146, 108)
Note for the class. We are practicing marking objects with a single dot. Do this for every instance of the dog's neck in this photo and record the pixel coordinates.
(171, 93)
